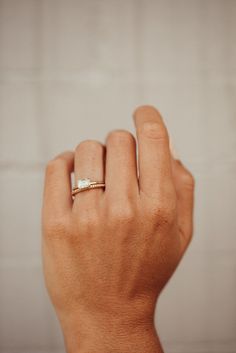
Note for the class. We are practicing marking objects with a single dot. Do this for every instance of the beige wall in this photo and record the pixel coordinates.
(70, 70)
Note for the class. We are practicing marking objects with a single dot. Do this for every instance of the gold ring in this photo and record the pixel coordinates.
(86, 184)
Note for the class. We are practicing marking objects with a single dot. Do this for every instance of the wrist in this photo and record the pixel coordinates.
(107, 334)
(114, 340)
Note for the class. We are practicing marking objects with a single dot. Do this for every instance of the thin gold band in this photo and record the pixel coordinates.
(93, 185)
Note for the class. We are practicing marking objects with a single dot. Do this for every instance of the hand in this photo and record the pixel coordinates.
(109, 253)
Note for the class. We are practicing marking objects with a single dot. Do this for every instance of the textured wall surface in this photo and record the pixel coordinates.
(74, 69)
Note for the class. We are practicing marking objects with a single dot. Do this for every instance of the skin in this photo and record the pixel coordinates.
(109, 253)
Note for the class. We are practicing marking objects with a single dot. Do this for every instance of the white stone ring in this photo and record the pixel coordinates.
(87, 184)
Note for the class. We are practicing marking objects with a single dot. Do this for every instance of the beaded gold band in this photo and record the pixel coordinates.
(86, 184)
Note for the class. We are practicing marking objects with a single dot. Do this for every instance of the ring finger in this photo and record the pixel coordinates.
(89, 164)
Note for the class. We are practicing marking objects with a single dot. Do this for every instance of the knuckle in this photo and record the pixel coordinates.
(155, 130)
(54, 164)
(167, 215)
(88, 219)
(163, 214)
(188, 180)
(187, 236)
(118, 136)
(122, 213)
(88, 144)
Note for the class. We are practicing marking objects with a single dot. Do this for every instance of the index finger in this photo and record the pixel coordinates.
(153, 149)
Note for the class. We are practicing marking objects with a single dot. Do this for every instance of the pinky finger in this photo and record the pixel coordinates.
(57, 188)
